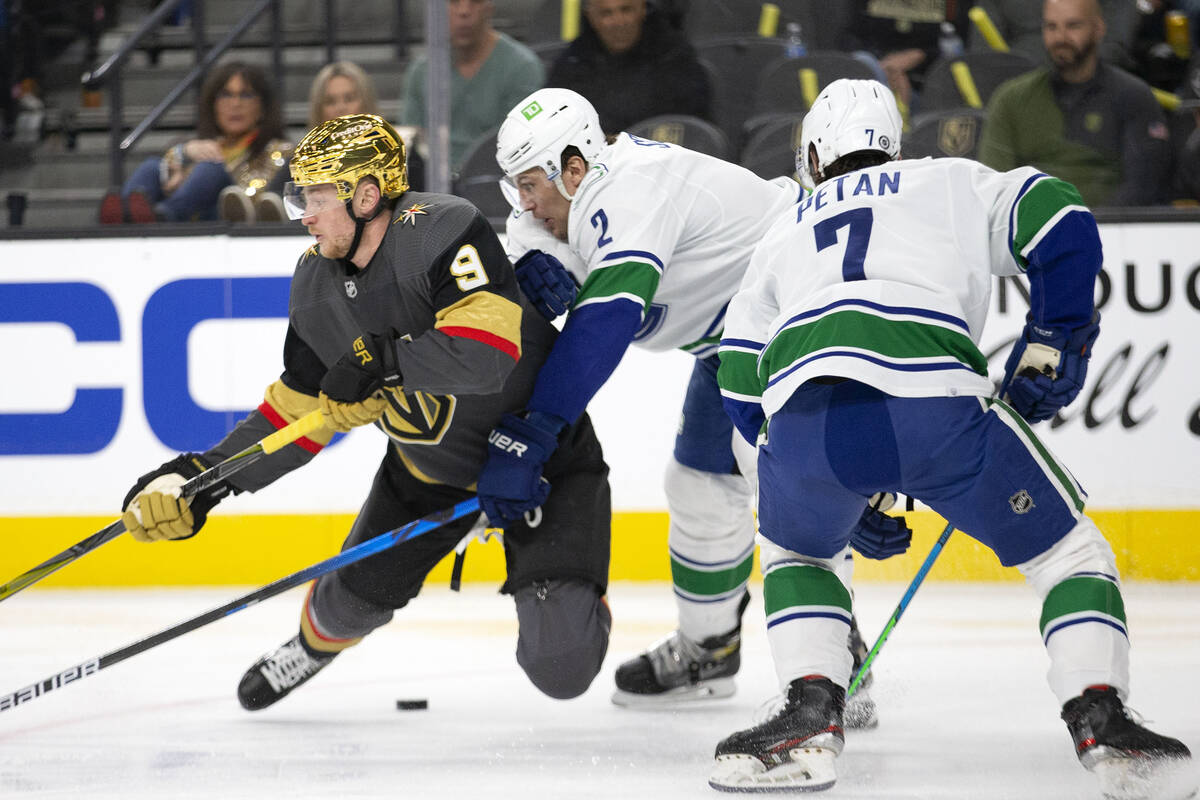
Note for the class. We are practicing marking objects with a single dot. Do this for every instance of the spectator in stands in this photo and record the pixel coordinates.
(632, 64)
(340, 88)
(490, 71)
(900, 40)
(1020, 23)
(238, 143)
(1188, 175)
(1081, 119)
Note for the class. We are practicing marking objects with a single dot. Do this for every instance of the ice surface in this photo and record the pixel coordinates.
(964, 708)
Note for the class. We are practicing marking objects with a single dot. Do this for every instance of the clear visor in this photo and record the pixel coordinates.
(511, 193)
(308, 201)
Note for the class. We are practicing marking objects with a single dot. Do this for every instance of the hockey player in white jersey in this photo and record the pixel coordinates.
(658, 237)
(850, 354)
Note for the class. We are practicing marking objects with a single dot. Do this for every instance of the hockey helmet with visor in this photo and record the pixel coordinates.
(336, 155)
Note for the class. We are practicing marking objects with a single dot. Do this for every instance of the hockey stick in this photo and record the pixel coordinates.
(357, 553)
(904, 601)
(235, 463)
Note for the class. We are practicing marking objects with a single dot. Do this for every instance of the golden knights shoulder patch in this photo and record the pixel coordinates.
(411, 213)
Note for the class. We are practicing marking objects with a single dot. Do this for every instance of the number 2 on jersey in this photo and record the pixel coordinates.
(859, 221)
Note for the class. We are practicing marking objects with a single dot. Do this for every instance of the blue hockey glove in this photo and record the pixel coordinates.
(879, 536)
(511, 482)
(546, 282)
(1046, 368)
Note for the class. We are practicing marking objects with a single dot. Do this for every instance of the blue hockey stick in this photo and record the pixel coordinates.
(357, 553)
(904, 601)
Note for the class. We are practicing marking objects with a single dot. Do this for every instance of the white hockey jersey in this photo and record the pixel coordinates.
(667, 227)
(884, 276)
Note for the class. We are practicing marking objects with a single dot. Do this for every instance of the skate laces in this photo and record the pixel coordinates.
(289, 665)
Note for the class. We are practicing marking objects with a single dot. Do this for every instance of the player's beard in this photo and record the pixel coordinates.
(1067, 57)
(335, 247)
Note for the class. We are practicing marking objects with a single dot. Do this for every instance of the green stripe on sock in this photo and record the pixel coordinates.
(710, 582)
(1075, 595)
(803, 585)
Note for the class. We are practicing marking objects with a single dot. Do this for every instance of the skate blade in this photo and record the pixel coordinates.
(715, 689)
(1137, 779)
(809, 770)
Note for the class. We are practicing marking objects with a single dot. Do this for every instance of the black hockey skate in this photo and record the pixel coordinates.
(678, 669)
(279, 672)
(793, 751)
(1129, 760)
(860, 708)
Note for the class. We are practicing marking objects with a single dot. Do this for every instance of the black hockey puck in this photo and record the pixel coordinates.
(412, 705)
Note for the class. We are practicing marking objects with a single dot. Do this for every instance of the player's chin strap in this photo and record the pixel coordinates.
(360, 224)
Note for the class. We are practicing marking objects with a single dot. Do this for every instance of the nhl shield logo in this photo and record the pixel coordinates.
(351, 289)
(1021, 502)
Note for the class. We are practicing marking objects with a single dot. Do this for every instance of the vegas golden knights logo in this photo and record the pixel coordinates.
(417, 418)
(957, 136)
(669, 132)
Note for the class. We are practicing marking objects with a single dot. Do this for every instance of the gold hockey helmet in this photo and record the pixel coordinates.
(347, 149)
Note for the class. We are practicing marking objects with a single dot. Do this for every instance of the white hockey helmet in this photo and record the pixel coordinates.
(848, 116)
(540, 127)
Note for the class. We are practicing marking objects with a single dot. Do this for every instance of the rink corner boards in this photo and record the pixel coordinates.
(1152, 545)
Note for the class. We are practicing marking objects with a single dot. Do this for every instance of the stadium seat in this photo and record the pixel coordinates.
(771, 149)
(686, 131)
(949, 132)
(789, 85)
(732, 59)
(984, 70)
(478, 179)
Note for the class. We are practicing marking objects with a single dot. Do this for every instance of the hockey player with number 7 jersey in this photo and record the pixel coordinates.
(850, 355)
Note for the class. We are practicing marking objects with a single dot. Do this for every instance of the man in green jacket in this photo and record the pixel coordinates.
(1081, 119)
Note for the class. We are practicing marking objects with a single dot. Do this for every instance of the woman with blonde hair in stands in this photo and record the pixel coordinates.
(340, 88)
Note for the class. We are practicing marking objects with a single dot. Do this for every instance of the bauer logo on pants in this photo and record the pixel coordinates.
(1021, 502)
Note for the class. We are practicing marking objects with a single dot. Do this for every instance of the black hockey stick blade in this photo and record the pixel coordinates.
(368, 548)
(239, 461)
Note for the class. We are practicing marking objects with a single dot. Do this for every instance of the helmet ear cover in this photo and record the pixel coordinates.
(848, 117)
(344, 150)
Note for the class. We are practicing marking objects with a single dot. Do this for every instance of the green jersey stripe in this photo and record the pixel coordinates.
(627, 278)
(1039, 206)
(738, 373)
(855, 329)
(803, 585)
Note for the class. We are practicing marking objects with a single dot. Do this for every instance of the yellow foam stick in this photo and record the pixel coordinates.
(309, 423)
(768, 20)
(809, 86)
(569, 28)
(988, 29)
(966, 84)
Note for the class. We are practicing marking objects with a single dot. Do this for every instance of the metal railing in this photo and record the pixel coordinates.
(108, 74)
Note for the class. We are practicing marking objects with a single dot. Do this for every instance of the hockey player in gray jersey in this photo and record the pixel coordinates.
(659, 237)
(406, 314)
(851, 356)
